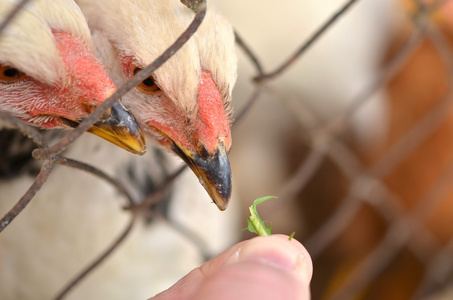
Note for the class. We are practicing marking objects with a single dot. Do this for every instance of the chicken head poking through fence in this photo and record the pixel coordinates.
(49, 78)
(185, 105)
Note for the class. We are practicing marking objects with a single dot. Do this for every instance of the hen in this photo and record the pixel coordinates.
(73, 218)
(185, 104)
(49, 77)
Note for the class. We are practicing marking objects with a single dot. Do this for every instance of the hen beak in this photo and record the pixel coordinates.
(119, 127)
(214, 172)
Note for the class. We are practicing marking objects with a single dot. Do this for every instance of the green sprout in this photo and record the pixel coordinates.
(255, 223)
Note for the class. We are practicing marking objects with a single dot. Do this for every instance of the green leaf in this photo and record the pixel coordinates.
(255, 224)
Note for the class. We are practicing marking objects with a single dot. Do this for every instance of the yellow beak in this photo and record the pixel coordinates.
(119, 127)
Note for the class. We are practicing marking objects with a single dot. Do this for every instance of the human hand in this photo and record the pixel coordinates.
(265, 267)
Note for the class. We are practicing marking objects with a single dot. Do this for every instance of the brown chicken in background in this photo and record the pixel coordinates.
(412, 92)
(419, 85)
(415, 91)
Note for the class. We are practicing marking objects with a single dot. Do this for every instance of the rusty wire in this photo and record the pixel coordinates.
(305, 46)
(402, 229)
(104, 255)
(46, 168)
(405, 229)
(10, 17)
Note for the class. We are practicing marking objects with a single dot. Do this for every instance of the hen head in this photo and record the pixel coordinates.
(49, 77)
(185, 104)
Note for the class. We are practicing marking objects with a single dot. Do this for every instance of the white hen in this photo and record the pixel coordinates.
(49, 77)
(186, 104)
(69, 224)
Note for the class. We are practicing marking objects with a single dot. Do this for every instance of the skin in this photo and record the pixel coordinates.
(265, 267)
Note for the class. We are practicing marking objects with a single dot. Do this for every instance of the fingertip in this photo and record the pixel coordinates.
(271, 267)
(279, 252)
(266, 267)
(252, 280)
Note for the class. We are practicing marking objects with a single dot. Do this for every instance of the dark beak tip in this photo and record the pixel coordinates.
(214, 173)
(222, 206)
(220, 188)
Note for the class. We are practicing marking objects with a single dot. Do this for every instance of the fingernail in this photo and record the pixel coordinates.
(277, 252)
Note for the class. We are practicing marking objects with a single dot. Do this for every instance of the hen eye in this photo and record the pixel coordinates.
(147, 86)
(10, 75)
(148, 82)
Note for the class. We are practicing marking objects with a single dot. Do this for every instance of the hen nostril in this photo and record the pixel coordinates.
(202, 151)
(89, 107)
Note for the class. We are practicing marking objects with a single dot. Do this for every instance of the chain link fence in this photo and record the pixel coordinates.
(374, 212)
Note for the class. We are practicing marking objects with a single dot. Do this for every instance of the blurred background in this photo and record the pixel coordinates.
(354, 137)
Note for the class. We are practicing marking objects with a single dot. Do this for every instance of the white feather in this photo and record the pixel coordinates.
(28, 43)
(75, 216)
(144, 29)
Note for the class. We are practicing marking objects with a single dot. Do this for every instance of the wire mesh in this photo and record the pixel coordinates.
(376, 221)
